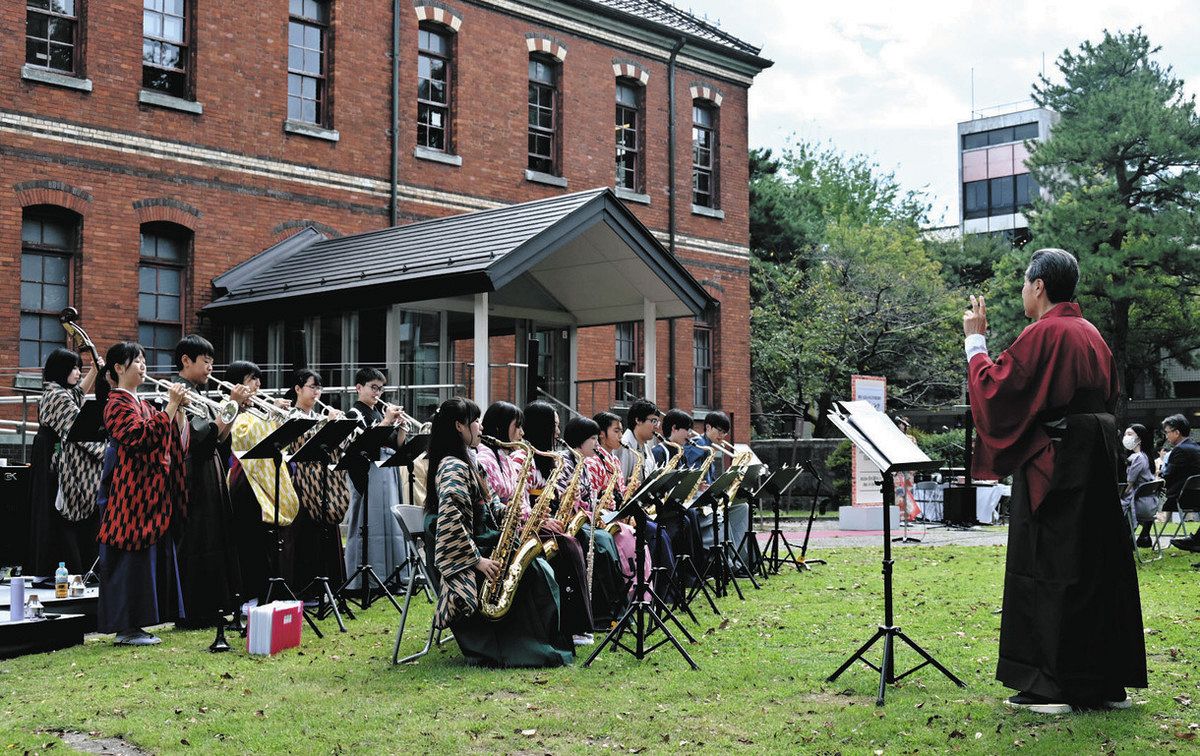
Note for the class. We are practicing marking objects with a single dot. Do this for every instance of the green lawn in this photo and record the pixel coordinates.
(761, 686)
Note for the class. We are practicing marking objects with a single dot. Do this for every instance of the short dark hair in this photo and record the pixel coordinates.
(578, 430)
(1179, 423)
(605, 420)
(718, 420)
(59, 365)
(365, 375)
(240, 370)
(1059, 271)
(193, 346)
(676, 418)
(499, 416)
(639, 411)
(300, 379)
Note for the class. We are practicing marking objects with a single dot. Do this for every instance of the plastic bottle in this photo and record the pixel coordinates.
(60, 581)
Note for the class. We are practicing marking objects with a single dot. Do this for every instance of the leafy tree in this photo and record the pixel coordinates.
(1123, 169)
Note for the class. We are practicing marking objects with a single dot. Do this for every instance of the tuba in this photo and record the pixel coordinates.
(497, 595)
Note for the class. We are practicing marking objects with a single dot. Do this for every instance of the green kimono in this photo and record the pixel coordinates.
(464, 522)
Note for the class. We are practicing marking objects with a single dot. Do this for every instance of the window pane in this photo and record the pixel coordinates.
(972, 141)
(308, 88)
(1001, 194)
(1000, 136)
(308, 111)
(54, 269)
(147, 280)
(168, 308)
(54, 297)
(39, 4)
(151, 24)
(975, 199)
(168, 280)
(56, 235)
(312, 61)
(146, 307)
(312, 37)
(295, 108)
(62, 30)
(1026, 131)
(31, 296)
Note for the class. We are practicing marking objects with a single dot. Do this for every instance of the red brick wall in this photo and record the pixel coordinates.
(241, 83)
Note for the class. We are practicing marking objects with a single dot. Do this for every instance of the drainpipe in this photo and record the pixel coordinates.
(679, 43)
(395, 177)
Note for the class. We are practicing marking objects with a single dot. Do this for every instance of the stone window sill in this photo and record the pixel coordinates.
(631, 196)
(708, 212)
(538, 177)
(54, 78)
(158, 99)
(311, 130)
(436, 156)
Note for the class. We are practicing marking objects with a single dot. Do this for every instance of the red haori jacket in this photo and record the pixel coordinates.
(1052, 360)
(147, 488)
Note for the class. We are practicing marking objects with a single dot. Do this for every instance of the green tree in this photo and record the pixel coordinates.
(1122, 167)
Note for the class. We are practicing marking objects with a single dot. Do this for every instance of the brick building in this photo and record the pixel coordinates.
(136, 185)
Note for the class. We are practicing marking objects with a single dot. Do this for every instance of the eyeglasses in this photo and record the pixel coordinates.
(375, 387)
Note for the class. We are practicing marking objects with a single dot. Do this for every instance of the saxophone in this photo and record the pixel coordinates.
(541, 509)
(635, 477)
(707, 463)
(571, 520)
(497, 595)
(610, 491)
(671, 464)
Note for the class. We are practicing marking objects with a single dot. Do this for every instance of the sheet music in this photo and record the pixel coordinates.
(877, 435)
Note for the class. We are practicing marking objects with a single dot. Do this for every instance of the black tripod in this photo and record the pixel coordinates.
(645, 613)
(755, 560)
(365, 449)
(778, 482)
(805, 562)
(888, 631)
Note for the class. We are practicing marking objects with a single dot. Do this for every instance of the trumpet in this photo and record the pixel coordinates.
(412, 425)
(266, 410)
(226, 411)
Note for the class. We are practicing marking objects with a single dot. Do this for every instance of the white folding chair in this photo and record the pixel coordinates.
(1187, 503)
(412, 523)
(928, 497)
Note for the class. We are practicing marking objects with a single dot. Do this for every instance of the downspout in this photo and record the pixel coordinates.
(679, 43)
(395, 176)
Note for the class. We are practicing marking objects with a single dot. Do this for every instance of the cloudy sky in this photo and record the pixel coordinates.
(891, 80)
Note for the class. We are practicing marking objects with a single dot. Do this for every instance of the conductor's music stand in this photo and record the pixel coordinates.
(406, 456)
(646, 611)
(319, 450)
(272, 448)
(892, 452)
(89, 427)
(776, 484)
(365, 450)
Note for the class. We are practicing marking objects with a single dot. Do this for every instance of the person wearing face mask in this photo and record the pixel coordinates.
(1139, 470)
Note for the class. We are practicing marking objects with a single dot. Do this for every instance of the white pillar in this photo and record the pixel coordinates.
(650, 348)
(573, 367)
(482, 378)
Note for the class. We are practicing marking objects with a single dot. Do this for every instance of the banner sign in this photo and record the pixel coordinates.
(864, 475)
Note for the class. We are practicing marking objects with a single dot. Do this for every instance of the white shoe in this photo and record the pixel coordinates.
(136, 638)
(1127, 703)
(586, 639)
(1037, 705)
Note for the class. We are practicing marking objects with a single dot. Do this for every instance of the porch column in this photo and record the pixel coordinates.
(650, 347)
(573, 366)
(482, 378)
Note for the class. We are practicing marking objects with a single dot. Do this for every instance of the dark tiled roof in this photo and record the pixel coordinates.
(665, 13)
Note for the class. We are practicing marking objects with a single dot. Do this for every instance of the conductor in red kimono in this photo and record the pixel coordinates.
(1071, 628)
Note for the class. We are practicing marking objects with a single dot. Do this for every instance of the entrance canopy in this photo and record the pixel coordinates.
(569, 261)
(582, 259)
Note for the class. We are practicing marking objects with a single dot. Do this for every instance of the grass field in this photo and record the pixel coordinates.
(761, 686)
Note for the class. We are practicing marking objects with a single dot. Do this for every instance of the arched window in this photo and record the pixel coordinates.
(629, 133)
(435, 66)
(162, 291)
(544, 121)
(705, 168)
(49, 246)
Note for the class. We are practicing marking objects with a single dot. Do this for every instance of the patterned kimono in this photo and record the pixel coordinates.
(601, 469)
(608, 583)
(464, 522)
(142, 498)
(65, 476)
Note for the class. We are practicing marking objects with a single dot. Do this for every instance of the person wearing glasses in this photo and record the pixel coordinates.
(1181, 463)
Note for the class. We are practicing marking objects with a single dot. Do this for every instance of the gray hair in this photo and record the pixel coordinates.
(1059, 271)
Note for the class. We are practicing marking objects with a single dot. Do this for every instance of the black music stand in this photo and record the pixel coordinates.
(88, 427)
(406, 456)
(645, 613)
(754, 560)
(776, 484)
(365, 450)
(319, 450)
(686, 578)
(272, 448)
(722, 556)
(861, 424)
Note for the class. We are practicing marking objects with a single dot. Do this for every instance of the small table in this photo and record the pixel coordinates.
(50, 633)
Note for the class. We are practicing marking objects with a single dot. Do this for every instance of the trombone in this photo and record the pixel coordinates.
(226, 411)
(266, 410)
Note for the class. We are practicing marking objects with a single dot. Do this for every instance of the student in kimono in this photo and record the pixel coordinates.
(1071, 629)
(142, 500)
(465, 519)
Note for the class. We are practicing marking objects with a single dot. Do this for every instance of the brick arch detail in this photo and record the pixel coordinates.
(630, 69)
(167, 209)
(58, 193)
(439, 12)
(292, 227)
(543, 43)
(704, 91)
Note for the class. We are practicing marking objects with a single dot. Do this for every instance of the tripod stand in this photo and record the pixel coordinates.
(645, 613)
(755, 560)
(863, 429)
(406, 457)
(365, 448)
(272, 448)
(805, 562)
(775, 485)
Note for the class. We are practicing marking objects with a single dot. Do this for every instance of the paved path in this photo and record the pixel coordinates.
(826, 535)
